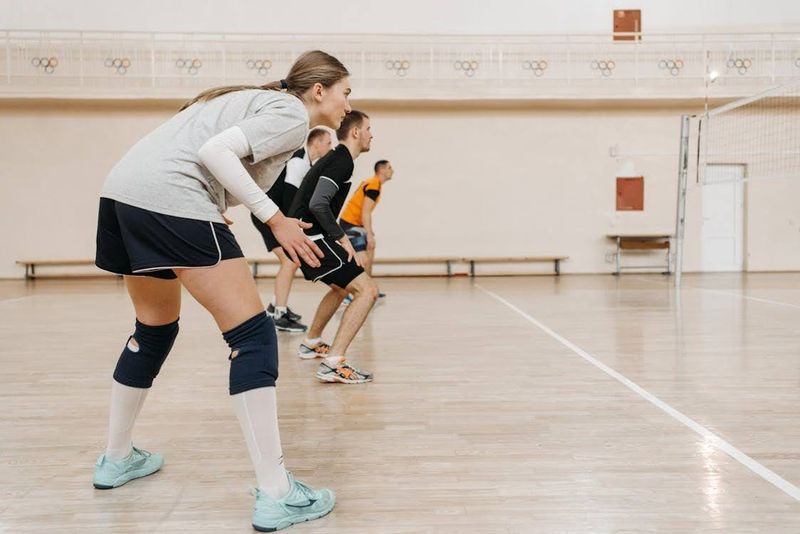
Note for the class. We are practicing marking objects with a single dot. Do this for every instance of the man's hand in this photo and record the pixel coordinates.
(370, 241)
(351, 253)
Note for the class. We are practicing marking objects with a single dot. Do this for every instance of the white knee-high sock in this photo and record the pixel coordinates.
(126, 403)
(257, 411)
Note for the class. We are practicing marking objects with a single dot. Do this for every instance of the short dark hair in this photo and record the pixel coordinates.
(315, 134)
(351, 120)
(379, 164)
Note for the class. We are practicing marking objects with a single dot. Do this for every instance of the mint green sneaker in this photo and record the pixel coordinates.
(113, 474)
(301, 504)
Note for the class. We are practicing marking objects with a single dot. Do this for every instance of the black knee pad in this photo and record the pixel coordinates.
(144, 354)
(254, 354)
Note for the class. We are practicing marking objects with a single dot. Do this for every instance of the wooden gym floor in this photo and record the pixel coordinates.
(510, 405)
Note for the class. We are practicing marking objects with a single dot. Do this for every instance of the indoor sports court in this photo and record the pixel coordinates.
(574, 310)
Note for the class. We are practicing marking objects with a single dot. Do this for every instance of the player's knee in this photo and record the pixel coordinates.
(254, 354)
(144, 354)
(367, 288)
(341, 293)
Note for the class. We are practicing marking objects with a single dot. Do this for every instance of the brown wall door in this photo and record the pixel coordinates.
(630, 194)
(627, 20)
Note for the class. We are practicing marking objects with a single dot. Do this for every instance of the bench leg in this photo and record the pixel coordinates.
(255, 269)
(619, 252)
(558, 267)
(33, 272)
(669, 266)
(449, 269)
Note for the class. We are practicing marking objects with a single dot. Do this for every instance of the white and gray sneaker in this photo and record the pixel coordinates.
(342, 372)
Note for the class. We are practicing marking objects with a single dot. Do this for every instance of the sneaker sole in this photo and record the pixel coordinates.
(287, 525)
(337, 378)
(309, 355)
(288, 329)
(144, 473)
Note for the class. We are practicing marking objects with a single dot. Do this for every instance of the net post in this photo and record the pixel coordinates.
(680, 219)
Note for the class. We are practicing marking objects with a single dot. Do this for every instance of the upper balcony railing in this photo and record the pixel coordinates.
(160, 65)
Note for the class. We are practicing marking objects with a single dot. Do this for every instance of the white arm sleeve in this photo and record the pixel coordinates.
(221, 155)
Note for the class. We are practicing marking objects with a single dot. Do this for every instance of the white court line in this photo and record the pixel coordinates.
(748, 297)
(728, 293)
(711, 438)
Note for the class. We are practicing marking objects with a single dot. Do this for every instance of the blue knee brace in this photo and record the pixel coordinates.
(144, 354)
(254, 354)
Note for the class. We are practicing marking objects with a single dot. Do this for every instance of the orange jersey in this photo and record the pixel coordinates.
(371, 188)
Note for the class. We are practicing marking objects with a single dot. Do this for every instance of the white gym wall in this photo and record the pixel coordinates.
(382, 16)
(483, 178)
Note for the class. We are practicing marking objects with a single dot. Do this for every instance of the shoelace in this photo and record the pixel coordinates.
(352, 370)
(141, 452)
(308, 493)
(344, 371)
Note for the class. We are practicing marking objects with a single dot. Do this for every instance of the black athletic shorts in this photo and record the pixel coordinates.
(266, 233)
(135, 241)
(334, 268)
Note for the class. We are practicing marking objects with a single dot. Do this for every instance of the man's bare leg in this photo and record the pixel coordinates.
(365, 292)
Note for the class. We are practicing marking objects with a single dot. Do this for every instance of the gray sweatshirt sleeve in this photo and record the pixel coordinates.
(320, 207)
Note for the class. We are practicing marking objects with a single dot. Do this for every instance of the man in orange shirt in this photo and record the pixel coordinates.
(356, 219)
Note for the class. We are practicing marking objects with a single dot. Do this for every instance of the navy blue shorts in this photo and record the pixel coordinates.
(266, 233)
(134, 241)
(334, 268)
(356, 234)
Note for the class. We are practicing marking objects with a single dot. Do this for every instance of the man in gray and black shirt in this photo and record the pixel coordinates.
(282, 193)
(318, 202)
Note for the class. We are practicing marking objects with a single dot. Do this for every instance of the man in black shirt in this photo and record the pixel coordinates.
(282, 193)
(318, 202)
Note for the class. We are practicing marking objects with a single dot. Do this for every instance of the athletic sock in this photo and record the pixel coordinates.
(126, 403)
(334, 361)
(257, 412)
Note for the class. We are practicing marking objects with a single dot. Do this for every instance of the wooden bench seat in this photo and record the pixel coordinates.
(31, 265)
(515, 259)
(643, 245)
(447, 261)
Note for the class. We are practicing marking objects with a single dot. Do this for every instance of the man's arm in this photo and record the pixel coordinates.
(320, 207)
(366, 219)
(371, 195)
